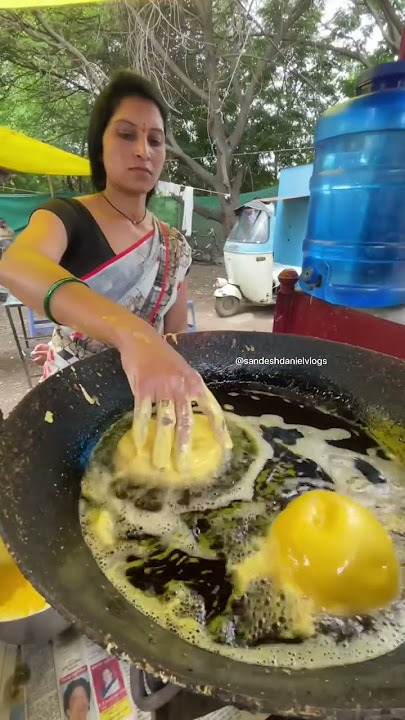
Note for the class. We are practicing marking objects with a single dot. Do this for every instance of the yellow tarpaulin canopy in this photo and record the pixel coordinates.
(20, 153)
(27, 4)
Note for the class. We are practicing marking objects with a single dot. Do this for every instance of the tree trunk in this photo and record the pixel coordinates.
(228, 217)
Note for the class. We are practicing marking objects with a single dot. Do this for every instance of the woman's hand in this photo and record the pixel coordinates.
(40, 354)
(158, 374)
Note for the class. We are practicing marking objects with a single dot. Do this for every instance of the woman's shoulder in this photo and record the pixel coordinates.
(67, 209)
(176, 239)
(179, 251)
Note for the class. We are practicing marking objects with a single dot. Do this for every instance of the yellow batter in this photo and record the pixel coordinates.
(331, 550)
(299, 560)
(204, 461)
(18, 599)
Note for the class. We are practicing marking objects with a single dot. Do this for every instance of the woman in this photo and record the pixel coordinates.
(109, 274)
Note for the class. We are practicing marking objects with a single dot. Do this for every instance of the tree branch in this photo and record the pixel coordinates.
(167, 59)
(32, 32)
(94, 75)
(345, 52)
(387, 36)
(206, 177)
(235, 138)
(50, 72)
(216, 125)
(237, 89)
(51, 38)
(237, 182)
(214, 215)
(392, 18)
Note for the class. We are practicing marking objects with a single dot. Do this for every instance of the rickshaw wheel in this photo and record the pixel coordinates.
(227, 306)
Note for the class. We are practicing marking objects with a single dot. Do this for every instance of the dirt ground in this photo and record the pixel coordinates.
(13, 383)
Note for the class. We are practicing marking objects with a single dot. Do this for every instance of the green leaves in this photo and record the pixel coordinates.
(209, 58)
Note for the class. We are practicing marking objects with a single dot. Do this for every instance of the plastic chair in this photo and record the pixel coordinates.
(38, 327)
(192, 326)
(298, 313)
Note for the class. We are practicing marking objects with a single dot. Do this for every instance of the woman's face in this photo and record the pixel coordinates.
(134, 146)
(78, 705)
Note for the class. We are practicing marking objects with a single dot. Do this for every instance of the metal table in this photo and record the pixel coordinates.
(11, 303)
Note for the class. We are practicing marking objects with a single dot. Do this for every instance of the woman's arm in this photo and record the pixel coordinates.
(31, 265)
(176, 317)
(155, 371)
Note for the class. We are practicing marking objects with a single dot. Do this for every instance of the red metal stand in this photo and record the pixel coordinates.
(298, 313)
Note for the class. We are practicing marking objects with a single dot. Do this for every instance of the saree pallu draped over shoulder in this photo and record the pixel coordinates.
(145, 279)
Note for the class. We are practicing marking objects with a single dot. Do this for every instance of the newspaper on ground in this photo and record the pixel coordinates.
(69, 677)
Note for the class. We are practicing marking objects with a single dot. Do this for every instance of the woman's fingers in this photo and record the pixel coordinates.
(39, 354)
(164, 438)
(141, 421)
(184, 425)
(210, 406)
(38, 359)
(165, 379)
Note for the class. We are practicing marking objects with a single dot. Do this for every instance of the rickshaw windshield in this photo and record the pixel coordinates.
(252, 227)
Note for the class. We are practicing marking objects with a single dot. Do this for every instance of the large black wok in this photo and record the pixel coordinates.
(41, 467)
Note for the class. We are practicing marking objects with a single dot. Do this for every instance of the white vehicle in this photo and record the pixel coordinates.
(249, 260)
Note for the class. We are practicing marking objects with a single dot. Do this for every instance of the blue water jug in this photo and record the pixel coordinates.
(354, 250)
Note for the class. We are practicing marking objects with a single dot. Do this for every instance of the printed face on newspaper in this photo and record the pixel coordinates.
(73, 679)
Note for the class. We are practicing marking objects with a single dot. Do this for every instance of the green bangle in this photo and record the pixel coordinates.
(51, 291)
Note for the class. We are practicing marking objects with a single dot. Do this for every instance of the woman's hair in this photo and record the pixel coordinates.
(81, 682)
(123, 84)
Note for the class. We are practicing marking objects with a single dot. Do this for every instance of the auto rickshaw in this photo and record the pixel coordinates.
(249, 260)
